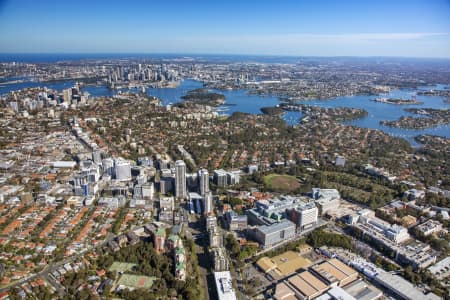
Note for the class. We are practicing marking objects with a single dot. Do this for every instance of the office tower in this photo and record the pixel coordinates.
(97, 156)
(208, 204)
(67, 95)
(108, 166)
(122, 169)
(203, 177)
(180, 179)
(220, 178)
(166, 185)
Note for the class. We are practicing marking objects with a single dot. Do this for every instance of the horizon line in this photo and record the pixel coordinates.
(224, 54)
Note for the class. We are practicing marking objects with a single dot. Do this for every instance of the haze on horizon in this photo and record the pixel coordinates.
(414, 28)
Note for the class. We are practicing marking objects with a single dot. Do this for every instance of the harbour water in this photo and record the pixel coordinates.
(240, 100)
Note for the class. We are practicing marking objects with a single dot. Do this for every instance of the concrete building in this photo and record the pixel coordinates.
(271, 235)
(196, 202)
(166, 185)
(233, 177)
(414, 194)
(108, 166)
(304, 216)
(122, 169)
(441, 270)
(148, 190)
(208, 203)
(220, 178)
(270, 211)
(215, 237)
(167, 203)
(334, 273)
(395, 238)
(192, 182)
(304, 286)
(377, 227)
(143, 191)
(97, 156)
(340, 161)
(220, 260)
(429, 227)
(361, 290)
(235, 221)
(211, 221)
(180, 179)
(224, 286)
(203, 177)
(402, 288)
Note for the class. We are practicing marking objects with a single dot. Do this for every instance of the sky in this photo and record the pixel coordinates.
(408, 28)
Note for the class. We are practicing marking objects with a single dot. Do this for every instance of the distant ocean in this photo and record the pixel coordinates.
(58, 57)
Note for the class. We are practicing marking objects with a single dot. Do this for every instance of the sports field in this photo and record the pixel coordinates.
(281, 183)
(136, 281)
(121, 267)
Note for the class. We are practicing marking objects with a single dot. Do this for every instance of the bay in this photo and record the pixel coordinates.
(240, 100)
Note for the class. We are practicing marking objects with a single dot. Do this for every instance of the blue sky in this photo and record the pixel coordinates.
(417, 28)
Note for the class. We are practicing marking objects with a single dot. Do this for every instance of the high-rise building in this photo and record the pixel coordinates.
(203, 177)
(180, 179)
(122, 170)
(166, 185)
(67, 95)
(211, 222)
(220, 178)
(208, 203)
(215, 237)
(97, 156)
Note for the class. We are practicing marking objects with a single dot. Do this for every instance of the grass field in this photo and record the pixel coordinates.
(281, 183)
(136, 281)
(121, 266)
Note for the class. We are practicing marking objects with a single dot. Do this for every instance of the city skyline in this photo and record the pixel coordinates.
(323, 28)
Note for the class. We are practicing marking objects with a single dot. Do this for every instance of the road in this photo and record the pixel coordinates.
(194, 230)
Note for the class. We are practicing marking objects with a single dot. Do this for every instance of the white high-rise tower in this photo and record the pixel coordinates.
(203, 177)
(208, 203)
(180, 179)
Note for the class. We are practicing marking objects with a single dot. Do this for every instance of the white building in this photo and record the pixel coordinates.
(307, 215)
(224, 286)
(220, 177)
(208, 202)
(203, 177)
(180, 179)
(108, 166)
(429, 227)
(122, 169)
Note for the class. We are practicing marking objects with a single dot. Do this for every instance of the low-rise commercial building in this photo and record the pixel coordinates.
(402, 288)
(235, 221)
(429, 227)
(334, 273)
(220, 259)
(302, 286)
(271, 235)
(224, 286)
(441, 270)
